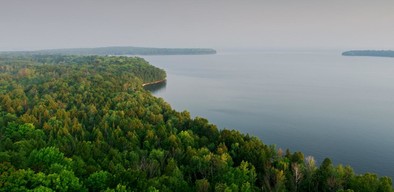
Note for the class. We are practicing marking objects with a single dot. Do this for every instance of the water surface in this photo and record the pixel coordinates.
(320, 103)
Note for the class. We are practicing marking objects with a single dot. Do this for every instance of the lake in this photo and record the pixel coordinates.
(320, 103)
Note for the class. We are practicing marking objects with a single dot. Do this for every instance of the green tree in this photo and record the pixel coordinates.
(98, 181)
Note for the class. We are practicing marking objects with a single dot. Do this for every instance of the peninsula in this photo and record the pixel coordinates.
(370, 53)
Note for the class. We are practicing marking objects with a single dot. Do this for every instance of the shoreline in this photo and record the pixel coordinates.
(153, 82)
(369, 53)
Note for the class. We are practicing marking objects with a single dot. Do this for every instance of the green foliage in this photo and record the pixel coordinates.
(17, 132)
(84, 123)
(98, 180)
(371, 182)
(65, 181)
(43, 159)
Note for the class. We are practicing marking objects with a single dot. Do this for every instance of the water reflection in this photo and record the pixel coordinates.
(157, 87)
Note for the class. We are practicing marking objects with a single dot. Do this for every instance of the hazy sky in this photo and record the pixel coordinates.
(265, 24)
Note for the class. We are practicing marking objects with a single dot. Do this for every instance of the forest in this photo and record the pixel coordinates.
(120, 51)
(85, 123)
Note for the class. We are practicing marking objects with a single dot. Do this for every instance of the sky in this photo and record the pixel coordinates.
(220, 24)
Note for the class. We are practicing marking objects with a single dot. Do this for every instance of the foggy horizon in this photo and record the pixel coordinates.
(221, 25)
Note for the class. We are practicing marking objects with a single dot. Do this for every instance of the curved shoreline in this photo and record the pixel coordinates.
(153, 82)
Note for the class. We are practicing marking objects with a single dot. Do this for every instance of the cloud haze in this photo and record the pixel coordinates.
(219, 24)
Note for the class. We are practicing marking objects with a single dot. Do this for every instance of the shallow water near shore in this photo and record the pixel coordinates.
(320, 103)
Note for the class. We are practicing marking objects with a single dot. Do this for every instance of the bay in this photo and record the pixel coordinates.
(317, 102)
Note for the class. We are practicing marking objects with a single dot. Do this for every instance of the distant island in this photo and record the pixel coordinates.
(120, 51)
(370, 53)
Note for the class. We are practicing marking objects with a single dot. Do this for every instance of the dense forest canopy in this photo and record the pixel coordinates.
(84, 123)
(121, 51)
(372, 53)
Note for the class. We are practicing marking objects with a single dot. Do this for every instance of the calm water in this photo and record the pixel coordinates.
(320, 103)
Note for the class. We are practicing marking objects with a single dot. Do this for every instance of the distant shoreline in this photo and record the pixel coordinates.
(153, 82)
(369, 53)
(119, 51)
